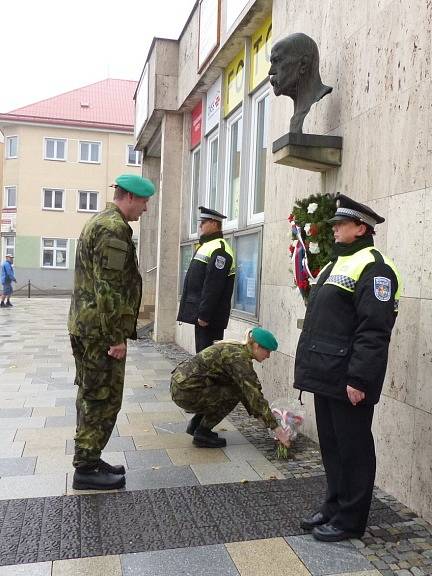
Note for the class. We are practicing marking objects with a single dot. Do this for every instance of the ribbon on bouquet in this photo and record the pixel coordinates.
(302, 272)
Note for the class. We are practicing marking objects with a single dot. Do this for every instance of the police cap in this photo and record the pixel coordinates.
(348, 209)
(209, 214)
(264, 338)
(136, 185)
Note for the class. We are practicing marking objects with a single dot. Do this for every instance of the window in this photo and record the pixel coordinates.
(196, 156)
(186, 253)
(212, 170)
(234, 135)
(55, 149)
(10, 197)
(54, 253)
(259, 157)
(11, 146)
(87, 201)
(90, 152)
(9, 246)
(53, 199)
(247, 281)
(133, 156)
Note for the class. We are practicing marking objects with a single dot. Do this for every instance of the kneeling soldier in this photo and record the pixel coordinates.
(213, 382)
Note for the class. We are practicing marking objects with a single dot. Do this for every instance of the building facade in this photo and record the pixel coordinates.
(206, 119)
(60, 157)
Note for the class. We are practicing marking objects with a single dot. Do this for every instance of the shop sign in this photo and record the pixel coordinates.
(234, 83)
(260, 54)
(213, 105)
(196, 125)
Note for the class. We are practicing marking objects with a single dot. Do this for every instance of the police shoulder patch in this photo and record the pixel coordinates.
(220, 262)
(382, 288)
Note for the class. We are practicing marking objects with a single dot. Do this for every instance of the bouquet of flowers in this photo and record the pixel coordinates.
(290, 416)
(312, 238)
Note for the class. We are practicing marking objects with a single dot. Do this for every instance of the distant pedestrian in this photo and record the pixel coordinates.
(103, 314)
(213, 382)
(209, 282)
(7, 277)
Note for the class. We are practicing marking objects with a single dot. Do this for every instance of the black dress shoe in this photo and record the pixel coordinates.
(97, 480)
(205, 438)
(114, 469)
(329, 533)
(317, 519)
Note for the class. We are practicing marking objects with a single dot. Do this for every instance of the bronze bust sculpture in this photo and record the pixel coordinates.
(294, 72)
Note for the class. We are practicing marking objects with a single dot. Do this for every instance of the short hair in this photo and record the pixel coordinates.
(119, 192)
(370, 231)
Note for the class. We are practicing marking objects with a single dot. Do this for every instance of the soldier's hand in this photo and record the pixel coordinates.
(282, 436)
(118, 351)
(355, 396)
(202, 323)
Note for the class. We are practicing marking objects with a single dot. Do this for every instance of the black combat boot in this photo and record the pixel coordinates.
(193, 423)
(97, 479)
(114, 469)
(205, 438)
(2, 305)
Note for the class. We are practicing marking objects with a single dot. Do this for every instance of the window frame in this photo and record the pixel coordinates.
(5, 247)
(5, 196)
(52, 208)
(88, 192)
(236, 116)
(235, 312)
(257, 97)
(8, 138)
(190, 244)
(196, 151)
(99, 160)
(214, 135)
(137, 153)
(56, 159)
(66, 266)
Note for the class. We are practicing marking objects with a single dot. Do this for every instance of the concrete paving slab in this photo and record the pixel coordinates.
(137, 429)
(53, 462)
(36, 569)
(322, 558)
(13, 487)
(42, 434)
(187, 456)
(117, 444)
(270, 557)
(164, 477)
(265, 469)
(11, 449)
(31, 422)
(156, 417)
(241, 452)
(367, 573)
(17, 466)
(60, 421)
(152, 442)
(147, 459)
(197, 561)
(158, 406)
(7, 436)
(55, 411)
(15, 412)
(98, 566)
(50, 445)
(230, 472)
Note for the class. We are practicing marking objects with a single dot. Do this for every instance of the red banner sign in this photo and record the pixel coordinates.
(196, 127)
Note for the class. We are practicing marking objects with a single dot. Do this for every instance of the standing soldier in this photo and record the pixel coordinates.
(213, 382)
(342, 358)
(209, 282)
(103, 314)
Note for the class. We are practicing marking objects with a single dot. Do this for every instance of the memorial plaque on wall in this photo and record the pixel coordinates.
(208, 39)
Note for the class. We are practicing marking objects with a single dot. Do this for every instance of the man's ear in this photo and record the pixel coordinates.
(304, 64)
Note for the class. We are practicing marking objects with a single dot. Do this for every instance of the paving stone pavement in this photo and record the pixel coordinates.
(184, 511)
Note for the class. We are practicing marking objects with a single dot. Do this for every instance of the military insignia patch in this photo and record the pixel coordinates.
(220, 262)
(382, 288)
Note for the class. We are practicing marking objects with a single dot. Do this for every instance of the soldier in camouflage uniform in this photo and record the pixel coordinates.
(103, 314)
(214, 381)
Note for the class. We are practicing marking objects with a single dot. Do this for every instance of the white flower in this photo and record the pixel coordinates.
(307, 228)
(312, 207)
(314, 248)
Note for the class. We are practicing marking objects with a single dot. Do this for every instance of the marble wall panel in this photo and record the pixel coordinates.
(426, 280)
(421, 493)
(424, 358)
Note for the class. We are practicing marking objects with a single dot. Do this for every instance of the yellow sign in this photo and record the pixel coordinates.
(260, 54)
(234, 82)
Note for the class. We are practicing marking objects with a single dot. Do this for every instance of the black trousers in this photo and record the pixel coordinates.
(206, 335)
(348, 453)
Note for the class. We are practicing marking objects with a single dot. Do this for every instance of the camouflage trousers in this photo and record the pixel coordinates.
(202, 396)
(100, 381)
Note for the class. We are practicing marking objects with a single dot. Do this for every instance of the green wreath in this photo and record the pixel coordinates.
(309, 218)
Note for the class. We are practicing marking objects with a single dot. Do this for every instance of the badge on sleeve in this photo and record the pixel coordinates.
(382, 288)
(220, 262)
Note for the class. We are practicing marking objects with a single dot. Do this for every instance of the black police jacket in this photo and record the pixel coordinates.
(346, 335)
(208, 287)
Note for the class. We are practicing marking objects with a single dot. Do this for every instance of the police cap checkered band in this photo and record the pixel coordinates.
(209, 214)
(356, 215)
(349, 209)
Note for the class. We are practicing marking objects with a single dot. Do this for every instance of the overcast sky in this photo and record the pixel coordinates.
(52, 46)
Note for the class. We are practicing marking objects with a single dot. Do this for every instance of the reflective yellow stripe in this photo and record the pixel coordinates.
(205, 252)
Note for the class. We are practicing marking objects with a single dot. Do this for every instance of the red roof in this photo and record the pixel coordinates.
(106, 104)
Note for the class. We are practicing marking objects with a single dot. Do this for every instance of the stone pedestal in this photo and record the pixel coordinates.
(308, 151)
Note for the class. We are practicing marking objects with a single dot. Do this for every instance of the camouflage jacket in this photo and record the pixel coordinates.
(228, 364)
(107, 291)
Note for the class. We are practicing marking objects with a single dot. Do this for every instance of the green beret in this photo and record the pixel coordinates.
(264, 338)
(136, 185)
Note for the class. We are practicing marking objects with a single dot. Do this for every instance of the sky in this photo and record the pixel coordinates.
(53, 46)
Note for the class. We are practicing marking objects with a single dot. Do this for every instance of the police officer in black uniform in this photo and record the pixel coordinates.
(209, 282)
(342, 359)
